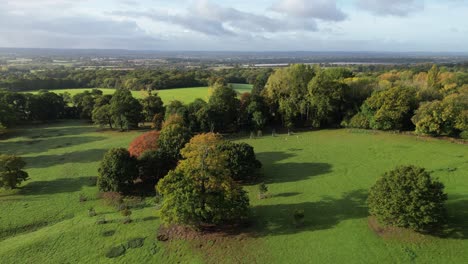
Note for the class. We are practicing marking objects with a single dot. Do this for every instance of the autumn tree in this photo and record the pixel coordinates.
(200, 190)
(11, 171)
(145, 142)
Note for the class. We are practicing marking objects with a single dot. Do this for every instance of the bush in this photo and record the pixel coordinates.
(464, 135)
(11, 171)
(145, 142)
(112, 198)
(241, 161)
(359, 121)
(116, 251)
(117, 171)
(408, 197)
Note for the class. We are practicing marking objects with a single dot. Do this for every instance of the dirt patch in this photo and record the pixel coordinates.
(227, 244)
(396, 233)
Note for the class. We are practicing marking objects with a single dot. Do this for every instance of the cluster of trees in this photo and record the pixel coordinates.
(198, 177)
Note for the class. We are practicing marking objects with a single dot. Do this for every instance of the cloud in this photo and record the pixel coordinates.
(215, 20)
(391, 7)
(320, 9)
(24, 30)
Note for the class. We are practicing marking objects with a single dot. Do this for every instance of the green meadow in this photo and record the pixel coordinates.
(325, 173)
(185, 95)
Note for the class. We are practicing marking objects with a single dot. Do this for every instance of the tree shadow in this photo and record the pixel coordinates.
(289, 171)
(45, 161)
(62, 185)
(288, 194)
(457, 224)
(325, 214)
(39, 145)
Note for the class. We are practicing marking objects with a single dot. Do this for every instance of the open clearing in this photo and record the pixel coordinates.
(185, 95)
(327, 173)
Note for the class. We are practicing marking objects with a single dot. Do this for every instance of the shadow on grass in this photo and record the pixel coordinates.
(457, 226)
(325, 214)
(289, 171)
(288, 194)
(63, 185)
(45, 161)
(39, 145)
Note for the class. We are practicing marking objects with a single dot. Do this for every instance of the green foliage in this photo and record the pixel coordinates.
(223, 108)
(326, 96)
(152, 105)
(464, 135)
(125, 110)
(408, 197)
(172, 139)
(200, 190)
(433, 78)
(117, 171)
(154, 165)
(390, 109)
(11, 171)
(241, 161)
(102, 116)
(359, 121)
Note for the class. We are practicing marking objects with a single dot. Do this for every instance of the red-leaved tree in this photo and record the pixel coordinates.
(145, 142)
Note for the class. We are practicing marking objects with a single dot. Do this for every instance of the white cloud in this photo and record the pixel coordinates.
(391, 7)
(321, 9)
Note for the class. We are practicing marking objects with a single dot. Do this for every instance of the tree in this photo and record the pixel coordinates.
(11, 171)
(390, 109)
(326, 97)
(152, 105)
(153, 165)
(173, 138)
(46, 106)
(241, 161)
(286, 90)
(200, 190)
(433, 78)
(126, 110)
(144, 142)
(117, 171)
(408, 197)
(223, 108)
(102, 116)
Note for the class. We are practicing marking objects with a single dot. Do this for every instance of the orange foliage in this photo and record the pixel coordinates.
(145, 142)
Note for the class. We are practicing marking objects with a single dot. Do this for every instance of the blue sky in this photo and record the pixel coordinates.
(253, 25)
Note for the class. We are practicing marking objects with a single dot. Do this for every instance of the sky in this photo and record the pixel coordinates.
(242, 25)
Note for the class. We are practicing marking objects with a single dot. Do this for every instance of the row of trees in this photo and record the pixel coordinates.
(140, 79)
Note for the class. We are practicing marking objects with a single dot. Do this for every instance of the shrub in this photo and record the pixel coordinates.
(408, 197)
(135, 243)
(359, 121)
(157, 121)
(117, 171)
(145, 142)
(91, 212)
(116, 251)
(112, 198)
(299, 217)
(11, 171)
(464, 135)
(262, 190)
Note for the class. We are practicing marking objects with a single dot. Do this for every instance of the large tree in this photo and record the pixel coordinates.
(223, 108)
(152, 105)
(125, 109)
(117, 171)
(200, 190)
(408, 197)
(174, 135)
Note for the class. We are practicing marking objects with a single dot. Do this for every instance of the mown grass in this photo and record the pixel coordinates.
(185, 95)
(325, 173)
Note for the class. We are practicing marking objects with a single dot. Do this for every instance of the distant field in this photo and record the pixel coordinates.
(326, 173)
(185, 95)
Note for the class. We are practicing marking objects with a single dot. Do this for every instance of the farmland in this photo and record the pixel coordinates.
(326, 173)
(185, 95)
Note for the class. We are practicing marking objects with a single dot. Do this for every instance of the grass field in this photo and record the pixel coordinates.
(326, 173)
(185, 95)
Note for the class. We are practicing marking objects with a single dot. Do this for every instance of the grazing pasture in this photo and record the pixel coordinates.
(185, 95)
